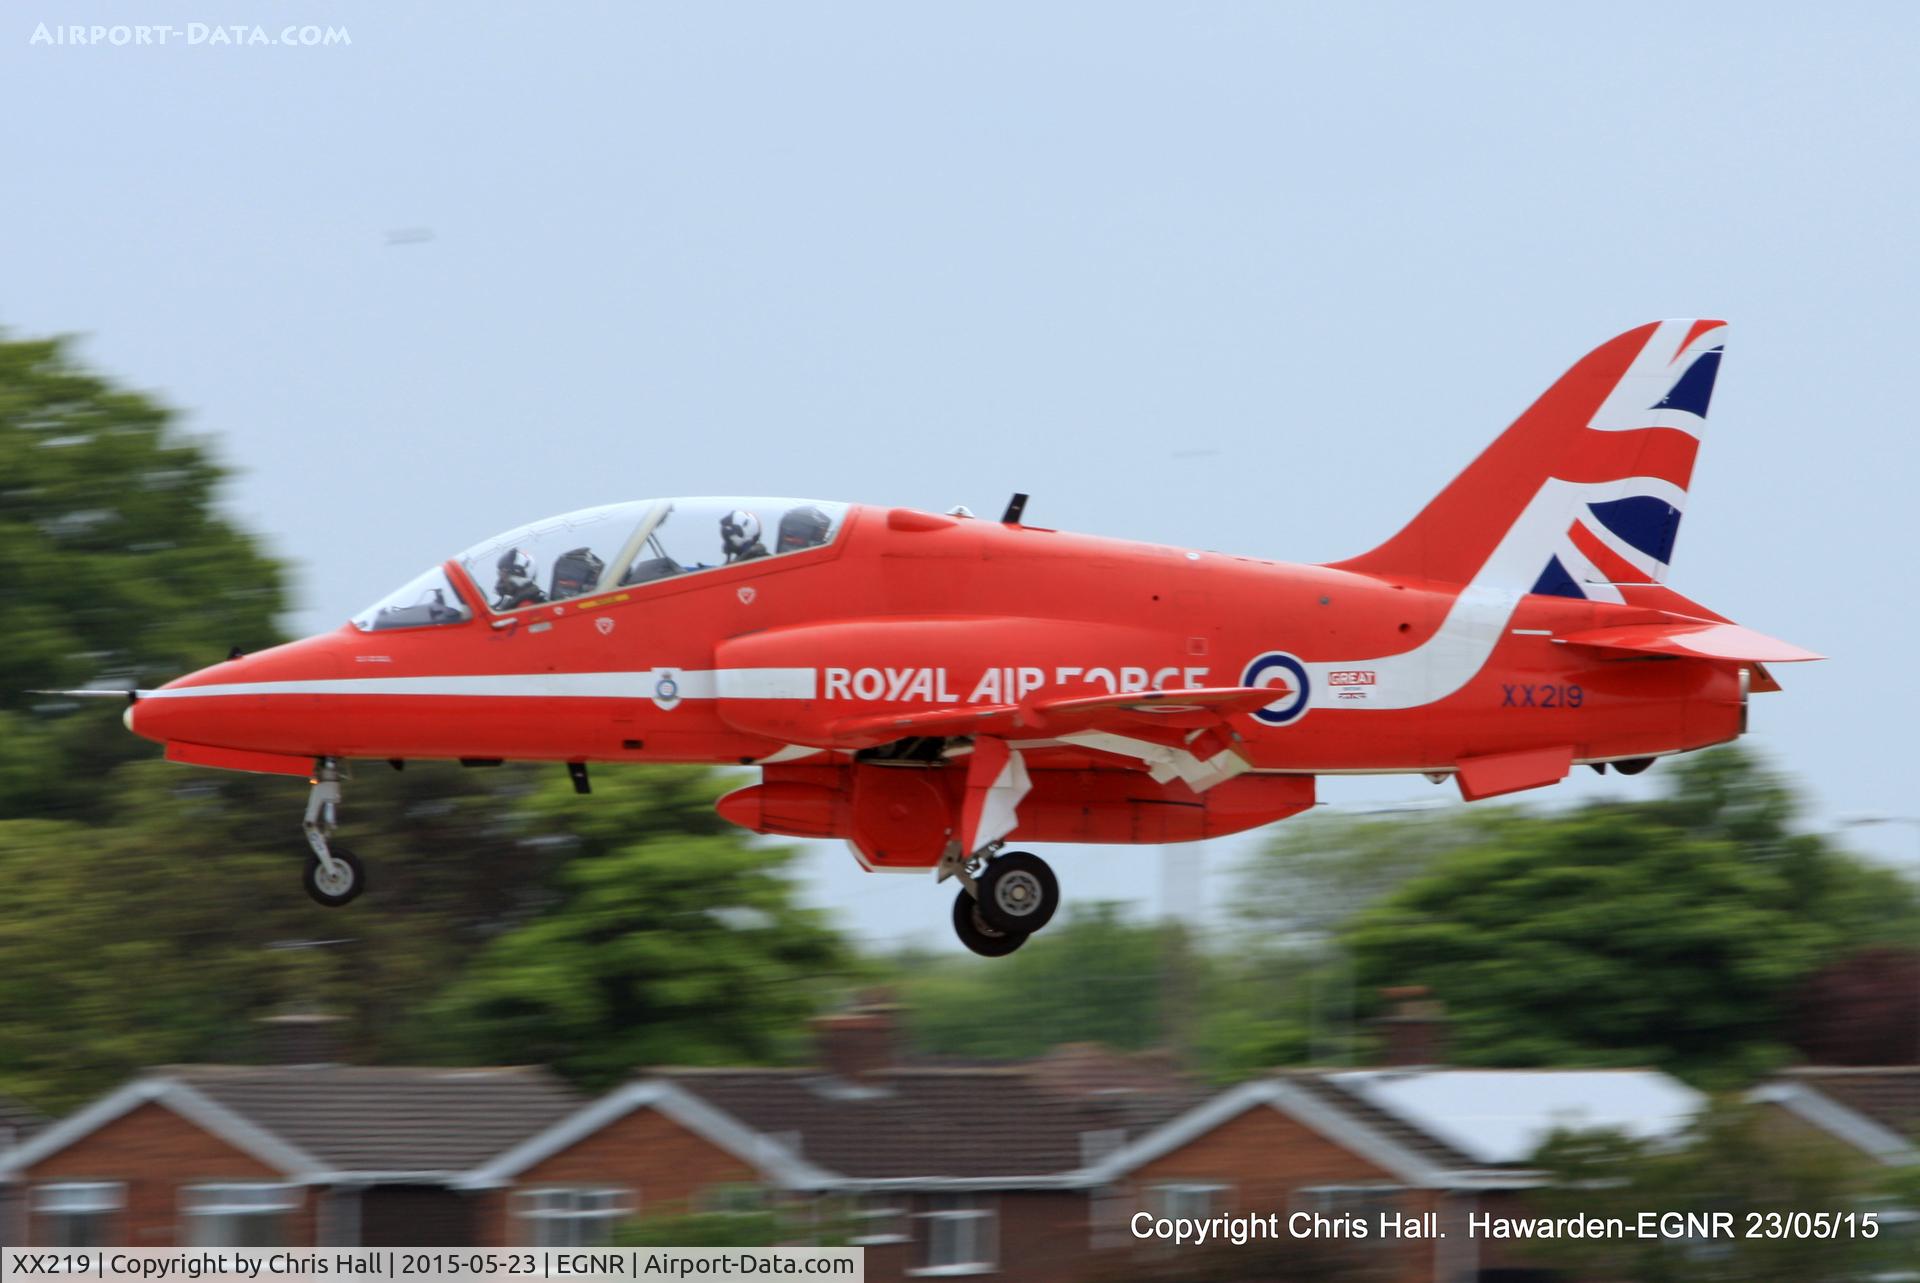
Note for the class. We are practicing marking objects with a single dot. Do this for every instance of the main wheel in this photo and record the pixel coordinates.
(977, 934)
(1633, 765)
(1018, 892)
(343, 886)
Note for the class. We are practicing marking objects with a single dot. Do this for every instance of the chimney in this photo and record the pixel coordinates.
(302, 1038)
(1415, 1032)
(855, 1044)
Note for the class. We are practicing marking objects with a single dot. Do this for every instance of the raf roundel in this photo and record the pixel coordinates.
(1278, 669)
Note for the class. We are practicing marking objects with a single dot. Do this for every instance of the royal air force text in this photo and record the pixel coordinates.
(1007, 685)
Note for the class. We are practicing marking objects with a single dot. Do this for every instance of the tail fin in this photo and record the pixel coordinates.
(1584, 492)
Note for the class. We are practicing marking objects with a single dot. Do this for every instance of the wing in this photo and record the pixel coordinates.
(1178, 733)
(1151, 712)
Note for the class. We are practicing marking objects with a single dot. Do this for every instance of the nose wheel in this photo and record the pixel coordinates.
(1011, 898)
(334, 874)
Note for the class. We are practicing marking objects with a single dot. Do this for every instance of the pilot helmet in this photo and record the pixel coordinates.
(804, 527)
(739, 530)
(516, 565)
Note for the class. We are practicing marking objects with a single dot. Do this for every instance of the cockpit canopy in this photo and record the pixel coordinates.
(600, 549)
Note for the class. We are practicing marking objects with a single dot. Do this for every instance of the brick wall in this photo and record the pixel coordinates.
(1265, 1157)
(662, 1163)
(155, 1153)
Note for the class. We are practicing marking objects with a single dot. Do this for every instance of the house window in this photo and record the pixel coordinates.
(252, 1215)
(572, 1217)
(1194, 1200)
(77, 1214)
(956, 1235)
(878, 1219)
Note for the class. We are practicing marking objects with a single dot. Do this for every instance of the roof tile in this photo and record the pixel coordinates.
(372, 1119)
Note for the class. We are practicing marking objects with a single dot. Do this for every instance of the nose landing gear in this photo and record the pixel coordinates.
(334, 876)
(1011, 898)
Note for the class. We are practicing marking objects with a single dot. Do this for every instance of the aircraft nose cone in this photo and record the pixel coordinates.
(234, 704)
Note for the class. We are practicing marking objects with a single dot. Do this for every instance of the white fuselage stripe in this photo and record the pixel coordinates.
(1478, 617)
(724, 683)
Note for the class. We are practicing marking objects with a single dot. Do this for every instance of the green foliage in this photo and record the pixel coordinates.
(1663, 934)
(1596, 938)
(711, 1229)
(1092, 976)
(1283, 990)
(166, 934)
(1316, 873)
(120, 568)
(1735, 1159)
(673, 940)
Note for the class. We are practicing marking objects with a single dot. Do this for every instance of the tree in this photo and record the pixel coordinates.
(1283, 989)
(120, 568)
(1304, 885)
(169, 933)
(1861, 1010)
(1596, 938)
(1733, 1160)
(674, 940)
(1093, 976)
(1667, 934)
(166, 932)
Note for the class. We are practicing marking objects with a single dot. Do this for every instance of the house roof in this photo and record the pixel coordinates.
(1889, 1095)
(1437, 1128)
(1876, 1110)
(1500, 1117)
(1037, 1124)
(321, 1123)
(373, 1119)
(937, 1123)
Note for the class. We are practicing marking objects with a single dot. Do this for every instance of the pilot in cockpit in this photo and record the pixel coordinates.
(803, 527)
(740, 536)
(517, 583)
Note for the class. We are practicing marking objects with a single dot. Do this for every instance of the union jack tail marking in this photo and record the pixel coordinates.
(1585, 491)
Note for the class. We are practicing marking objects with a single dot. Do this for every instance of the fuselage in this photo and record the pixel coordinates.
(906, 612)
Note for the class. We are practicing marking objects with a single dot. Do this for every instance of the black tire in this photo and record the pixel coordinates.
(1018, 893)
(1632, 766)
(976, 934)
(332, 896)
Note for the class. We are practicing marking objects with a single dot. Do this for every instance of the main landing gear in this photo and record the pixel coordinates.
(334, 875)
(1005, 901)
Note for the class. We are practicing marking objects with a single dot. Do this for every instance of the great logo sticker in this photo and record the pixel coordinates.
(1288, 677)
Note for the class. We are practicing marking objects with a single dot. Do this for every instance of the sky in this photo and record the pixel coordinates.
(1250, 277)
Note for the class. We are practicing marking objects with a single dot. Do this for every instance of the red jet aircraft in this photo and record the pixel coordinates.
(933, 687)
